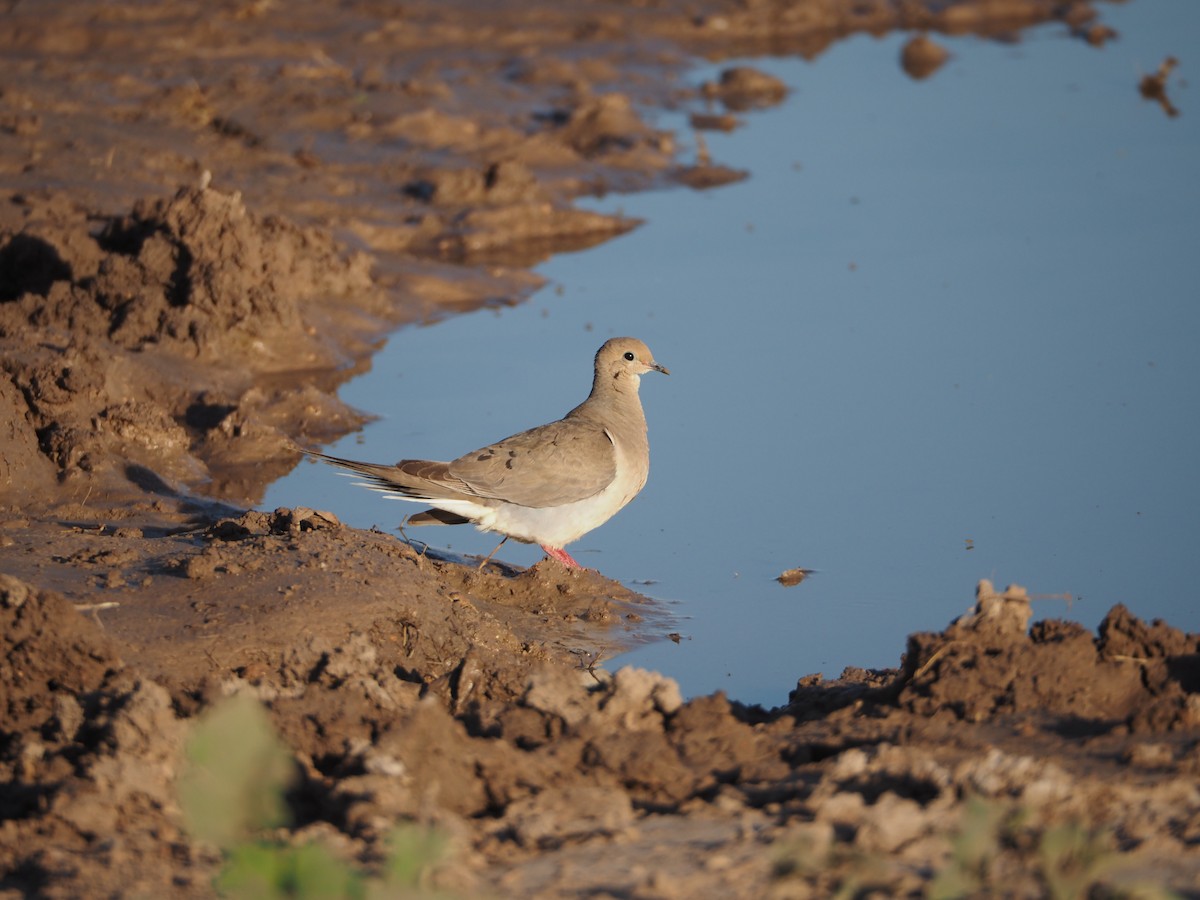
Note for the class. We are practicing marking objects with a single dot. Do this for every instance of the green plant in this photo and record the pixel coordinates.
(1073, 858)
(1068, 860)
(830, 869)
(975, 846)
(237, 775)
(269, 870)
(233, 792)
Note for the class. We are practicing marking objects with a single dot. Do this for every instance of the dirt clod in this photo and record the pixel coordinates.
(922, 56)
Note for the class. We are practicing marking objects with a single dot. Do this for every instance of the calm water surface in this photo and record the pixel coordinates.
(947, 330)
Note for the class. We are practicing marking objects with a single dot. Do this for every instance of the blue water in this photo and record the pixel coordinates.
(946, 330)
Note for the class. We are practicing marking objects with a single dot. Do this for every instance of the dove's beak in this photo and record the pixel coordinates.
(657, 368)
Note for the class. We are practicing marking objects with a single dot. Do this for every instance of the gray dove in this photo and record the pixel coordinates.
(549, 485)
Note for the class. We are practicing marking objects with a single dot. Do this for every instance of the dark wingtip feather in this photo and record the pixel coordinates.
(437, 516)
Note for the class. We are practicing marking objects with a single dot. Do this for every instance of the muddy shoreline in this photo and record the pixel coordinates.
(210, 217)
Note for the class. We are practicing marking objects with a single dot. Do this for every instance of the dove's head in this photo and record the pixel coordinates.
(625, 357)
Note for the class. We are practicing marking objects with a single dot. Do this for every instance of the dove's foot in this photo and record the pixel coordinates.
(562, 556)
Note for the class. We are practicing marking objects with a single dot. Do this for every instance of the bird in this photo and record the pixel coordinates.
(549, 485)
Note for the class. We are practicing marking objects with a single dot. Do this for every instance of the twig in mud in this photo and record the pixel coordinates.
(96, 608)
(208, 654)
(929, 662)
(424, 544)
(589, 661)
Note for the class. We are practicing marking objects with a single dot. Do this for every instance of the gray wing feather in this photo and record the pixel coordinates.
(551, 465)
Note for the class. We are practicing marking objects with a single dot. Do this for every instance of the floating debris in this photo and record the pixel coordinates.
(1096, 34)
(793, 577)
(1154, 87)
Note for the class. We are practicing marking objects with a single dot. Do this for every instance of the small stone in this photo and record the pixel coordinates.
(743, 87)
(13, 592)
(921, 57)
(891, 823)
(1150, 756)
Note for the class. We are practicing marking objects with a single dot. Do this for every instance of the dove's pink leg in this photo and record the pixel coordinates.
(561, 555)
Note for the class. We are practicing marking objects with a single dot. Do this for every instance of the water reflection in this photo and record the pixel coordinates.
(944, 331)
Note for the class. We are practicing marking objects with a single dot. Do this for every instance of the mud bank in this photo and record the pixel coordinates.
(556, 779)
(210, 218)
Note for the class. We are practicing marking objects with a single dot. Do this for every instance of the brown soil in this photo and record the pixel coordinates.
(211, 215)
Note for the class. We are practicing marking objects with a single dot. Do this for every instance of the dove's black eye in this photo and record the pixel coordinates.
(629, 355)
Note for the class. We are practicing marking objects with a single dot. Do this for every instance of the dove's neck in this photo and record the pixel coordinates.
(619, 385)
(615, 404)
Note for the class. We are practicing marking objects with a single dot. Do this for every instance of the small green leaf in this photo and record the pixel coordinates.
(314, 873)
(251, 871)
(411, 850)
(237, 775)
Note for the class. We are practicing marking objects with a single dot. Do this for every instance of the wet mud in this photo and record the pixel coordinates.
(210, 216)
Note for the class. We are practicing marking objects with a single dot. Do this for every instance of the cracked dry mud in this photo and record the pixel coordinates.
(211, 215)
